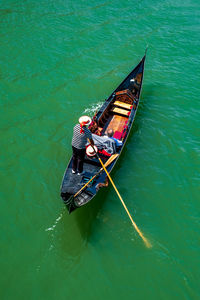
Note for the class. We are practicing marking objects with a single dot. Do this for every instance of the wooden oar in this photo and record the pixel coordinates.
(147, 243)
(108, 162)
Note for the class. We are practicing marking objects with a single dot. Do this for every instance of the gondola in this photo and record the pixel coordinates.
(117, 113)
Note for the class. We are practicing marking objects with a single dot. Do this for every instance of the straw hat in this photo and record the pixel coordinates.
(85, 120)
(90, 151)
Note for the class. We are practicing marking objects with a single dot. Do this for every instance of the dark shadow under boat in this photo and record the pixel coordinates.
(86, 216)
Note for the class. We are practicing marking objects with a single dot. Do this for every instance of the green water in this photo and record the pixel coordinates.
(58, 60)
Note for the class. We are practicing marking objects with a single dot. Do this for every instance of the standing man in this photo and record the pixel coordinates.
(79, 141)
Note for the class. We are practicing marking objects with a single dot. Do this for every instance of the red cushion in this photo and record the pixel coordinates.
(117, 135)
(104, 152)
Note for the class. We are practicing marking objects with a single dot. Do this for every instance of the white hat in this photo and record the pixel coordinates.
(90, 150)
(85, 120)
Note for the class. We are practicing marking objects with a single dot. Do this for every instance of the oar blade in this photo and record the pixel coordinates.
(111, 159)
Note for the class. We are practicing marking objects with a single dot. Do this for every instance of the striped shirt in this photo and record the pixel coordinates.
(79, 140)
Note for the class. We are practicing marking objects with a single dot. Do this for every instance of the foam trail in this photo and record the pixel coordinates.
(91, 110)
(56, 221)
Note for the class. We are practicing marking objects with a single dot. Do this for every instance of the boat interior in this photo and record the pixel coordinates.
(115, 114)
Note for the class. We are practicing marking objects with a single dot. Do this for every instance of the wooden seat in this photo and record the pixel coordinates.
(117, 123)
(123, 105)
(121, 111)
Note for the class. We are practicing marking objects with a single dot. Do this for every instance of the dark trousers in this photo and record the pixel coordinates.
(78, 158)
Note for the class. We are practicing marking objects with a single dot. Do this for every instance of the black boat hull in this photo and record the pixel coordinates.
(110, 115)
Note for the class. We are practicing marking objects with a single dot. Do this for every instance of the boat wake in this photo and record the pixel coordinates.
(56, 221)
(92, 109)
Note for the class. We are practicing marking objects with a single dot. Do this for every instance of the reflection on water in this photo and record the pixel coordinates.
(86, 215)
(70, 233)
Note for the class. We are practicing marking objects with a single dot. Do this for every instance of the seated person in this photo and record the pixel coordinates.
(110, 133)
(104, 143)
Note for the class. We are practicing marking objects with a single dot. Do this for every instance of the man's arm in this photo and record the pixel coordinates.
(89, 136)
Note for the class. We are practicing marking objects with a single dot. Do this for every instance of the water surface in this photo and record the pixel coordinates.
(59, 60)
